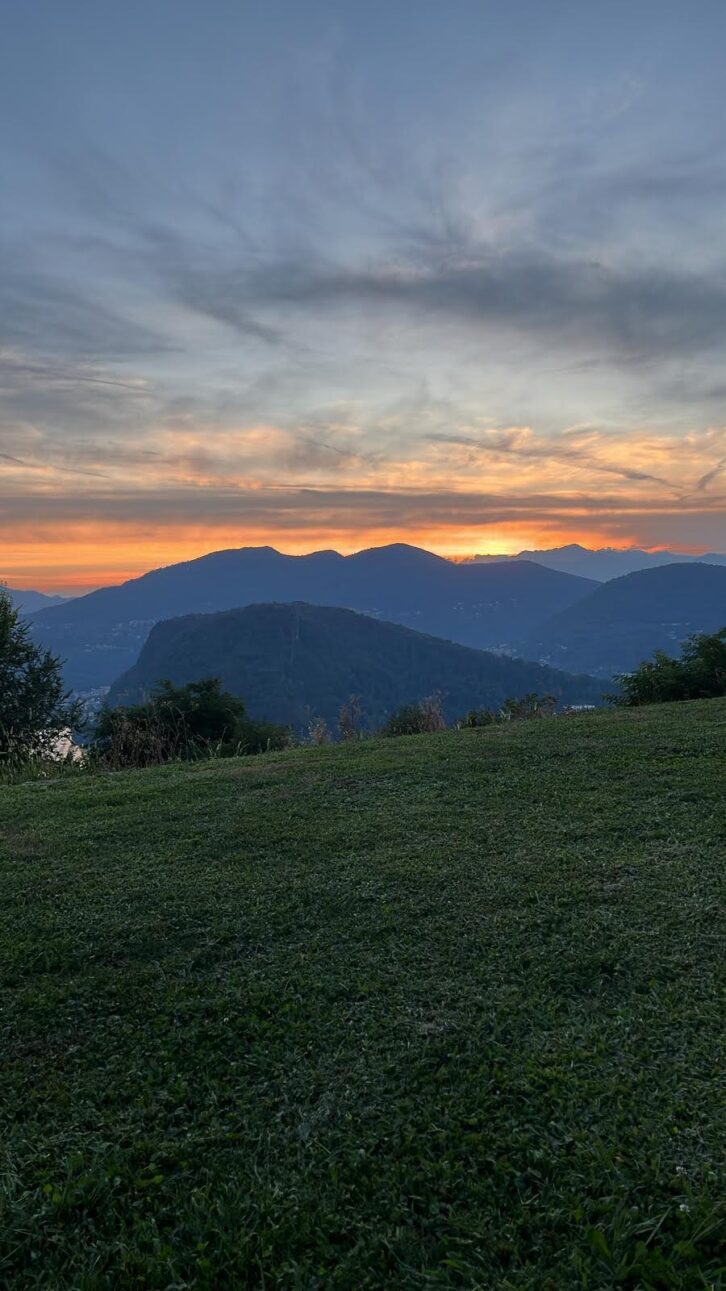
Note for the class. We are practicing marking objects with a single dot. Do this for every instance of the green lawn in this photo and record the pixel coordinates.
(436, 1011)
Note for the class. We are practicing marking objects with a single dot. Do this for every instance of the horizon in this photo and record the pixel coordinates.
(270, 278)
(70, 591)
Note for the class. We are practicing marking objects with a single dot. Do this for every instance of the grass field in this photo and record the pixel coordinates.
(437, 1011)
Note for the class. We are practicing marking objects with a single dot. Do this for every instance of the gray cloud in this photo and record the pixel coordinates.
(53, 373)
(346, 509)
(636, 314)
(44, 312)
(711, 475)
(426, 261)
(45, 465)
(506, 443)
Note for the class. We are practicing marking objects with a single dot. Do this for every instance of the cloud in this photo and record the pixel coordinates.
(348, 508)
(47, 468)
(703, 483)
(51, 373)
(380, 340)
(519, 443)
(637, 314)
(429, 260)
(42, 312)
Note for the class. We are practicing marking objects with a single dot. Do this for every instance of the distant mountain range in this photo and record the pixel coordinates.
(488, 606)
(605, 562)
(514, 606)
(623, 621)
(293, 662)
(28, 601)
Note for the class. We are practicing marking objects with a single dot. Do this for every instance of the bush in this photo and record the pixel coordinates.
(35, 708)
(512, 710)
(182, 723)
(700, 673)
(350, 719)
(416, 719)
(480, 717)
(529, 707)
(318, 731)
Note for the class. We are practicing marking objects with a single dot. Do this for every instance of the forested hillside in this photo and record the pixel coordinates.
(622, 622)
(292, 662)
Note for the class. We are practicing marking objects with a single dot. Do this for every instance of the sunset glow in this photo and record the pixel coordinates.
(376, 298)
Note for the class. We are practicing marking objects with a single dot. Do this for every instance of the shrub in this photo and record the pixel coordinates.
(512, 710)
(318, 731)
(416, 719)
(700, 673)
(350, 718)
(530, 706)
(480, 717)
(181, 723)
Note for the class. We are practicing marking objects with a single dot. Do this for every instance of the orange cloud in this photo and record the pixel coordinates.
(109, 513)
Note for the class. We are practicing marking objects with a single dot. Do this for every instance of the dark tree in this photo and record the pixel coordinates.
(35, 708)
(700, 673)
(182, 722)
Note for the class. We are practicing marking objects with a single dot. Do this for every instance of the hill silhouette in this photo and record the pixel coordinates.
(100, 635)
(292, 662)
(621, 623)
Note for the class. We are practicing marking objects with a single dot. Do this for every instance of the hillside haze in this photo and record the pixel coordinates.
(623, 621)
(604, 563)
(28, 601)
(293, 662)
(100, 635)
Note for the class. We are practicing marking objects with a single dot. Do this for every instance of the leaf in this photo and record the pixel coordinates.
(599, 1244)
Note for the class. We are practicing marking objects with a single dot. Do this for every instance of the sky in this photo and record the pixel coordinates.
(326, 273)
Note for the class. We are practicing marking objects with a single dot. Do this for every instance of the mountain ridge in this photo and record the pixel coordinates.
(602, 563)
(101, 634)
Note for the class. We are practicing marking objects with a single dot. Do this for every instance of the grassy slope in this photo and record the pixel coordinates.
(440, 1011)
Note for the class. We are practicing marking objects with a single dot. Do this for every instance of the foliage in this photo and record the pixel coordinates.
(350, 718)
(318, 732)
(700, 673)
(181, 723)
(512, 710)
(35, 709)
(398, 1014)
(529, 707)
(423, 718)
(480, 717)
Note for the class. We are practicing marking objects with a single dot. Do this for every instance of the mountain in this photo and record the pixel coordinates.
(621, 623)
(605, 562)
(29, 602)
(102, 633)
(291, 662)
